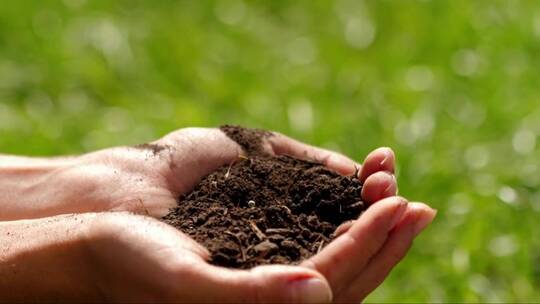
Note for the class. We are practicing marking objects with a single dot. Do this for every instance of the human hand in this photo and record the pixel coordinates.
(121, 257)
(366, 250)
(148, 179)
(141, 259)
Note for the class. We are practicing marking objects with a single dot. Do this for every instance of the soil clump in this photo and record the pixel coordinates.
(265, 209)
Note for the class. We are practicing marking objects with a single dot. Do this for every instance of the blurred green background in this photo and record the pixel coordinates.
(452, 86)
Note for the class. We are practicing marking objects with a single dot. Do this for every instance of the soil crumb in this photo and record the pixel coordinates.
(266, 209)
(251, 140)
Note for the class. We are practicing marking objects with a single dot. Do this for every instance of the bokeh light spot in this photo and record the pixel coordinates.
(503, 245)
(360, 32)
(466, 62)
(477, 156)
(301, 51)
(508, 195)
(419, 78)
(300, 114)
(524, 141)
(230, 11)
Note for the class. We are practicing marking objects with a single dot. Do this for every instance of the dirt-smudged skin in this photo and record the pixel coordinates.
(265, 210)
(155, 149)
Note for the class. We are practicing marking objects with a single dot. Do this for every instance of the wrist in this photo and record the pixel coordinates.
(49, 257)
(27, 187)
(35, 188)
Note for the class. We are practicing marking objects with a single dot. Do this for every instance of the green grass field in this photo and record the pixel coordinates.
(452, 86)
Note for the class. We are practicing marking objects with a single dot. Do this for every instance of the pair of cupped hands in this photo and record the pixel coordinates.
(121, 256)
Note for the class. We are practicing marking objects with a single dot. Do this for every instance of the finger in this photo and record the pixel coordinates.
(417, 217)
(346, 256)
(341, 229)
(378, 186)
(276, 283)
(282, 144)
(382, 159)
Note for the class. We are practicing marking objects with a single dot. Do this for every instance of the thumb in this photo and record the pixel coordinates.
(275, 283)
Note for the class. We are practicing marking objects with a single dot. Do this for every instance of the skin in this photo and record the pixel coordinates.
(119, 256)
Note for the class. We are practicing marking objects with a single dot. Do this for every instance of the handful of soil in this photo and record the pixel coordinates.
(265, 209)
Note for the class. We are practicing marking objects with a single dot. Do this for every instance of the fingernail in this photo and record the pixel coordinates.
(387, 157)
(391, 190)
(424, 219)
(398, 213)
(311, 290)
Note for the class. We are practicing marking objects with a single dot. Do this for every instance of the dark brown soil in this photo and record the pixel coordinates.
(251, 140)
(264, 209)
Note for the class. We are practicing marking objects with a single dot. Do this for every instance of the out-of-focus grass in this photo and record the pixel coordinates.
(452, 86)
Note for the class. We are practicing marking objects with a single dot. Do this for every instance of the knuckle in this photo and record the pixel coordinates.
(374, 243)
(396, 255)
(371, 249)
